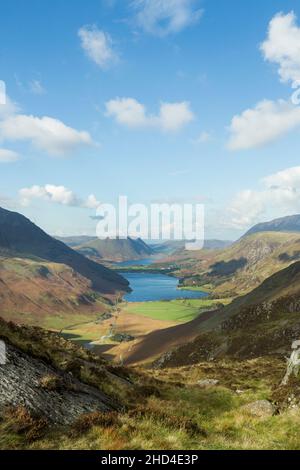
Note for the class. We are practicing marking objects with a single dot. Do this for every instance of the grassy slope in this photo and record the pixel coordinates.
(20, 236)
(265, 321)
(180, 415)
(50, 295)
(263, 252)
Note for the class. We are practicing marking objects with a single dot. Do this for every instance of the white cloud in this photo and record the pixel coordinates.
(8, 156)
(36, 87)
(245, 209)
(260, 125)
(129, 112)
(98, 46)
(286, 179)
(173, 116)
(282, 46)
(56, 194)
(91, 202)
(269, 120)
(280, 195)
(46, 133)
(162, 17)
(8, 109)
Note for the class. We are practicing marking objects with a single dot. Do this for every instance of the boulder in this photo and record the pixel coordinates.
(260, 408)
(208, 383)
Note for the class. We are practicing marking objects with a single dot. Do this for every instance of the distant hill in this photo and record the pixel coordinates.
(170, 247)
(76, 240)
(284, 224)
(115, 249)
(20, 237)
(240, 267)
(46, 294)
(263, 322)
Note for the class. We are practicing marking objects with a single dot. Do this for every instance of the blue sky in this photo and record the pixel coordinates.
(138, 98)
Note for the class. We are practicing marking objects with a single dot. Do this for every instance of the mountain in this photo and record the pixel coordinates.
(19, 237)
(242, 266)
(168, 248)
(47, 294)
(115, 249)
(284, 224)
(264, 322)
(76, 240)
(213, 244)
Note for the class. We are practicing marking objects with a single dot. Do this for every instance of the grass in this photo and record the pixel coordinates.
(205, 288)
(179, 311)
(183, 416)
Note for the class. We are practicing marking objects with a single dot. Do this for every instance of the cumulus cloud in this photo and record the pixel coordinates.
(269, 120)
(163, 17)
(131, 113)
(262, 124)
(98, 46)
(56, 194)
(8, 156)
(282, 46)
(279, 195)
(91, 202)
(45, 133)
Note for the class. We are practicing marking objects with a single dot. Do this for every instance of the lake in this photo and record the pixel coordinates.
(147, 287)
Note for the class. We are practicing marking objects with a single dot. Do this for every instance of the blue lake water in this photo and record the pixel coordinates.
(148, 287)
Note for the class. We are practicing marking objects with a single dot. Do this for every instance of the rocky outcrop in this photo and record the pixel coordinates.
(57, 396)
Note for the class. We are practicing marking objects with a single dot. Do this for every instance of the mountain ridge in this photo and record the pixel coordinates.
(18, 235)
(290, 223)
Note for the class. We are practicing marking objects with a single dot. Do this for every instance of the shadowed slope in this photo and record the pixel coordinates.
(21, 237)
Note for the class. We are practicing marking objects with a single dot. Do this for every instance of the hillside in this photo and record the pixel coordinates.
(51, 295)
(264, 322)
(55, 395)
(74, 241)
(21, 238)
(283, 224)
(240, 267)
(115, 249)
(37, 375)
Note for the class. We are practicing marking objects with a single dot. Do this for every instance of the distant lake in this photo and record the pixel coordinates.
(148, 287)
(136, 262)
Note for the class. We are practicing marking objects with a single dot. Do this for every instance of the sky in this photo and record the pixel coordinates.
(158, 100)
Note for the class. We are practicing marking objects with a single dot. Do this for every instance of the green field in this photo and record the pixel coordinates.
(179, 311)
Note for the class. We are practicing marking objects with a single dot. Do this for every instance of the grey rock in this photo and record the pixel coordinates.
(20, 385)
(260, 408)
(208, 383)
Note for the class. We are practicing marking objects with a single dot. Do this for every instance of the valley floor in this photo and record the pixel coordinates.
(138, 320)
